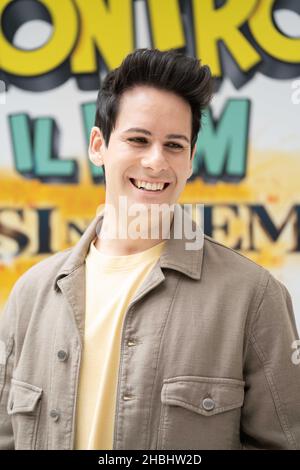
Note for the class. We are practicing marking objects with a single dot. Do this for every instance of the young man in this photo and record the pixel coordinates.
(138, 342)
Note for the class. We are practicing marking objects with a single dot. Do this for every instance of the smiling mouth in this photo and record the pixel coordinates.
(150, 190)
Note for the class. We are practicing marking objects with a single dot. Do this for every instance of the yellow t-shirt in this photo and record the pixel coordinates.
(111, 282)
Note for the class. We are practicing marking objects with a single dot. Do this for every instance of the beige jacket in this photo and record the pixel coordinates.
(206, 355)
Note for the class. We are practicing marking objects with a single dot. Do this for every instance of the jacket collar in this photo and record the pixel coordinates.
(174, 256)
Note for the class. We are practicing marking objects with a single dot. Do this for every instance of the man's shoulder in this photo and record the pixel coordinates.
(227, 261)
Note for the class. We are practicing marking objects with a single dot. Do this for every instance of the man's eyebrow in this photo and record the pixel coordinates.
(178, 136)
(138, 129)
(169, 136)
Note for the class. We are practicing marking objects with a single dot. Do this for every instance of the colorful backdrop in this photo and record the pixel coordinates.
(53, 55)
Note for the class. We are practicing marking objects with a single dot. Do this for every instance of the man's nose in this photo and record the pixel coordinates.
(155, 158)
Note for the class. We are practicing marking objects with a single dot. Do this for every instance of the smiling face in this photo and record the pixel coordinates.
(151, 142)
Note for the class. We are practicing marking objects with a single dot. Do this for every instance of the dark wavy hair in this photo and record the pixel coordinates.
(167, 70)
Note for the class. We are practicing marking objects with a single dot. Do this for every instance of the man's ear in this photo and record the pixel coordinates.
(96, 146)
(191, 160)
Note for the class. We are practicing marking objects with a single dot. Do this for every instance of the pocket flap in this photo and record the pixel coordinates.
(23, 397)
(204, 395)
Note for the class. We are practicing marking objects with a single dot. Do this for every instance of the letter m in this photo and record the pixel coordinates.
(222, 145)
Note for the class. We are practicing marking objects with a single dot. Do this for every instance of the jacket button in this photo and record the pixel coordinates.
(126, 397)
(131, 342)
(208, 404)
(55, 415)
(62, 355)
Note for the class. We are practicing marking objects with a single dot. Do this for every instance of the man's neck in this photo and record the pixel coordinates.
(124, 247)
(127, 246)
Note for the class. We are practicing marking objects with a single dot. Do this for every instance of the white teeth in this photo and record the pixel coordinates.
(148, 186)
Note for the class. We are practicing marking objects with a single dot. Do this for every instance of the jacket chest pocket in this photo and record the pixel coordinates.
(24, 407)
(200, 413)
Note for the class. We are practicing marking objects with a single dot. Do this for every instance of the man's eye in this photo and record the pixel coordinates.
(174, 145)
(138, 140)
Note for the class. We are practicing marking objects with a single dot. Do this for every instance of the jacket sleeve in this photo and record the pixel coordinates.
(7, 318)
(271, 410)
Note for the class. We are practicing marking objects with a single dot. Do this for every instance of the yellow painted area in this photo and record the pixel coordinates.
(166, 24)
(106, 29)
(269, 37)
(74, 202)
(213, 25)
